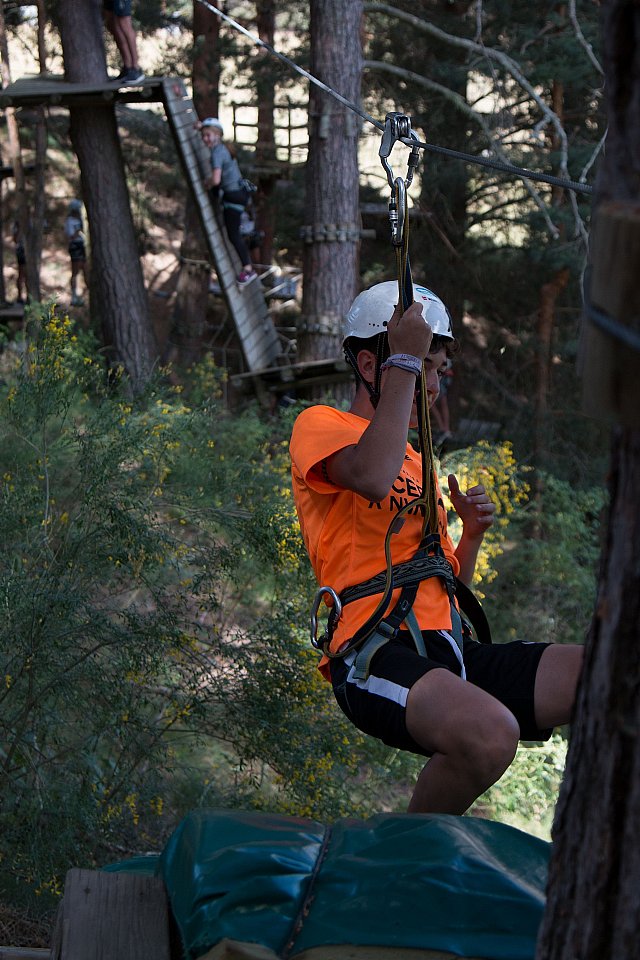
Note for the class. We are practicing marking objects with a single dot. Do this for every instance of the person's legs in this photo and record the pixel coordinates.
(232, 218)
(556, 682)
(21, 283)
(110, 21)
(117, 17)
(472, 738)
(76, 299)
(421, 704)
(125, 37)
(21, 278)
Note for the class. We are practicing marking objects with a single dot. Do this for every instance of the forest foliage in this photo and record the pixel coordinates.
(154, 644)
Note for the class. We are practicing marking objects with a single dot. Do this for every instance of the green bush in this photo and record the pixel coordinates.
(155, 590)
(545, 586)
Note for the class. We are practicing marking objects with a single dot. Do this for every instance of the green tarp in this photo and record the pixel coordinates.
(462, 885)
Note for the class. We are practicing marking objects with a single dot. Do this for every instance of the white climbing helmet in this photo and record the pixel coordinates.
(372, 309)
(212, 122)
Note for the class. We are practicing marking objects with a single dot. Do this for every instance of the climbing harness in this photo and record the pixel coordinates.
(429, 560)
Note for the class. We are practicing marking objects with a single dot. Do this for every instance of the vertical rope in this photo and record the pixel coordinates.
(405, 298)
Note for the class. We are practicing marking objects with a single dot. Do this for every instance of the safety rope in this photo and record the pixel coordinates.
(427, 500)
(522, 172)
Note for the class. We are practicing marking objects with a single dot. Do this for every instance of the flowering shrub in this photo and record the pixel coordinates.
(142, 540)
(494, 466)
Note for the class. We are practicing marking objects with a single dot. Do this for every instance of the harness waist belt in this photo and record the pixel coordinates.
(407, 573)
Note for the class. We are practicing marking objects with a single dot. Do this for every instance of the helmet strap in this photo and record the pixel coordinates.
(372, 389)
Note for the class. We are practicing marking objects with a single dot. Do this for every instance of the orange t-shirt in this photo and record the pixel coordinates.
(344, 533)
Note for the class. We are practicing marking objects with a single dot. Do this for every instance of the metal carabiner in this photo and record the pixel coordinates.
(314, 612)
(396, 126)
(398, 211)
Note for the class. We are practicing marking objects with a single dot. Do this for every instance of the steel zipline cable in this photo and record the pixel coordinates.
(521, 172)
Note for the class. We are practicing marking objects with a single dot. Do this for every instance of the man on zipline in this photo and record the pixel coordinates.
(414, 677)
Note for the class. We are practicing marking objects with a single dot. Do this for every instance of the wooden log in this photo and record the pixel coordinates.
(112, 916)
(609, 363)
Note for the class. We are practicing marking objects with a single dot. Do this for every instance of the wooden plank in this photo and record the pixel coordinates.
(24, 953)
(114, 916)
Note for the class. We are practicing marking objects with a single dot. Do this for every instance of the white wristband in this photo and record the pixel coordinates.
(405, 361)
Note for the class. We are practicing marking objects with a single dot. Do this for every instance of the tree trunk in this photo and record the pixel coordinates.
(192, 294)
(118, 296)
(206, 61)
(3, 289)
(15, 151)
(544, 337)
(35, 225)
(332, 215)
(35, 229)
(266, 144)
(549, 294)
(594, 877)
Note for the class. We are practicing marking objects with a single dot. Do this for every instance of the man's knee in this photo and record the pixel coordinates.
(457, 719)
(488, 747)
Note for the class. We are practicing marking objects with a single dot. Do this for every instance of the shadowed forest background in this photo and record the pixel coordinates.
(154, 644)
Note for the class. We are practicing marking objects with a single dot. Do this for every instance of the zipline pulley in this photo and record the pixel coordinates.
(398, 127)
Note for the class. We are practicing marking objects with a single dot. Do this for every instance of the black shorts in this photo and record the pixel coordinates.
(77, 250)
(377, 706)
(121, 8)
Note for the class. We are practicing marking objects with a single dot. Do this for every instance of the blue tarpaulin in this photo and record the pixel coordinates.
(459, 885)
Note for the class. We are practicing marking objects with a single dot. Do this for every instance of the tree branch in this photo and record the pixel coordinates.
(461, 104)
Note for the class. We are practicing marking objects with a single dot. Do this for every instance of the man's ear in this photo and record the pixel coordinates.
(367, 365)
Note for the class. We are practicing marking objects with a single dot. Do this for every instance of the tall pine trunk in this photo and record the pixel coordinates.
(13, 139)
(332, 214)
(118, 296)
(265, 157)
(592, 909)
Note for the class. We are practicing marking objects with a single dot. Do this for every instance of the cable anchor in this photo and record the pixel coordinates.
(397, 126)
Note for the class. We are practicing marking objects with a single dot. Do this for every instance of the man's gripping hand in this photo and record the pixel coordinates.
(409, 333)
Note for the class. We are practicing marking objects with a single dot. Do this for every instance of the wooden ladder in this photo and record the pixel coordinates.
(247, 304)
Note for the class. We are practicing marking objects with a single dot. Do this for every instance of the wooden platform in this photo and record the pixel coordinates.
(54, 90)
(285, 376)
(247, 304)
(12, 311)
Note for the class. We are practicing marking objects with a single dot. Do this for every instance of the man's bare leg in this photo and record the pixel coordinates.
(472, 736)
(556, 682)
